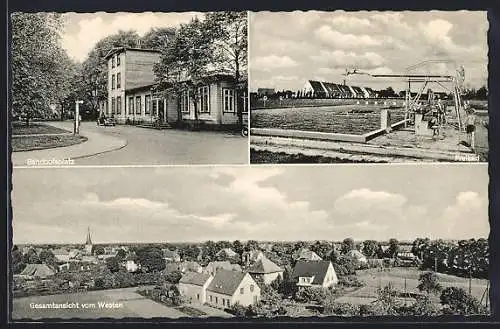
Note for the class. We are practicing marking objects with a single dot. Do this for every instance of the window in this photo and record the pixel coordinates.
(242, 291)
(255, 299)
(119, 105)
(184, 101)
(112, 61)
(155, 106)
(216, 300)
(131, 105)
(113, 105)
(245, 101)
(138, 106)
(228, 100)
(223, 302)
(118, 80)
(147, 104)
(210, 298)
(204, 102)
(113, 82)
(251, 288)
(198, 296)
(117, 60)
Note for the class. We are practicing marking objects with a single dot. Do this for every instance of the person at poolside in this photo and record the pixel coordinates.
(470, 126)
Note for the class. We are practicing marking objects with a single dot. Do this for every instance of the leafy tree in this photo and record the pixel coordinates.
(251, 245)
(371, 248)
(347, 245)
(458, 301)
(229, 29)
(99, 283)
(393, 249)
(31, 257)
(151, 259)
(173, 277)
(428, 282)
(189, 252)
(310, 294)
(158, 38)
(238, 310)
(300, 245)
(482, 93)
(113, 264)
(99, 250)
(47, 257)
(238, 247)
(322, 248)
(18, 263)
(424, 306)
(387, 300)
(36, 63)
(209, 251)
(121, 254)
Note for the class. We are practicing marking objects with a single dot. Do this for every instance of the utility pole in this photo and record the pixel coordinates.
(76, 126)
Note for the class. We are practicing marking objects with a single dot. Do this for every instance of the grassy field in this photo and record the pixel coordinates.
(282, 157)
(345, 119)
(20, 128)
(132, 305)
(374, 278)
(40, 142)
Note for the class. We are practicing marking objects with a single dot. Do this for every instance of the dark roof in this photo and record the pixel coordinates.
(316, 85)
(37, 270)
(198, 279)
(139, 88)
(316, 268)
(263, 266)
(226, 282)
(121, 49)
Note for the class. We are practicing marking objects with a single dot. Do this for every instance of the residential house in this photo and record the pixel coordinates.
(194, 286)
(357, 255)
(41, 271)
(212, 267)
(183, 267)
(62, 255)
(227, 254)
(130, 263)
(230, 287)
(314, 273)
(134, 98)
(306, 254)
(266, 270)
(171, 256)
(250, 257)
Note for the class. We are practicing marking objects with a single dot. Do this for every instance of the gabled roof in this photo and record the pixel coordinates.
(226, 282)
(228, 251)
(40, 270)
(264, 266)
(306, 253)
(316, 85)
(226, 265)
(310, 268)
(198, 279)
(60, 251)
(356, 254)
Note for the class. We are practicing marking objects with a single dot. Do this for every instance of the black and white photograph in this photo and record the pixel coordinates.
(368, 86)
(129, 88)
(250, 242)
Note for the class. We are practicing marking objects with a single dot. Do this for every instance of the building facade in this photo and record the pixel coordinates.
(132, 97)
(232, 287)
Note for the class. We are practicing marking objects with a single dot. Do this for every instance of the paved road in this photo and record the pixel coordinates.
(167, 147)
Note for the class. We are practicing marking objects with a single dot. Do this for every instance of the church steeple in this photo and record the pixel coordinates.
(89, 239)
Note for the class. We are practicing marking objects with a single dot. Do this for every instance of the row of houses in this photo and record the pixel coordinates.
(225, 287)
(133, 95)
(322, 89)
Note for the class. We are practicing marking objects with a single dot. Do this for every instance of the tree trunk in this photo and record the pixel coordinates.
(62, 111)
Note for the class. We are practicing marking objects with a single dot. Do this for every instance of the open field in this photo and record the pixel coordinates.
(40, 142)
(20, 128)
(130, 304)
(374, 278)
(346, 119)
(314, 102)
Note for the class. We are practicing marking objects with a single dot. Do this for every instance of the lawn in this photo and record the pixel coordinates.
(39, 142)
(282, 157)
(20, 128)
(132, 305)
(374, 278)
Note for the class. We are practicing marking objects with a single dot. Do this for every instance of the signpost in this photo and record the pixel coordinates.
(76, 127)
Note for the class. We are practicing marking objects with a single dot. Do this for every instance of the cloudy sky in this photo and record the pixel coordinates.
(262, 203)
(83, 31)
(287, 49)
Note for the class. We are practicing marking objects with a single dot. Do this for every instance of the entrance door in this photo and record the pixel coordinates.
(161, 111)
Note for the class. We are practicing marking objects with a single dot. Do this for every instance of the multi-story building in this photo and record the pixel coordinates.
(132, 99)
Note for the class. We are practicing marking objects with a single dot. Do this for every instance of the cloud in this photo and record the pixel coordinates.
(367, 199)
(90, 30)
(267, 63)
(342, 59)
(349, 22)
(334, 38)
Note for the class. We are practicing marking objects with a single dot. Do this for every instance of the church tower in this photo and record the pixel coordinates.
(88, 244)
